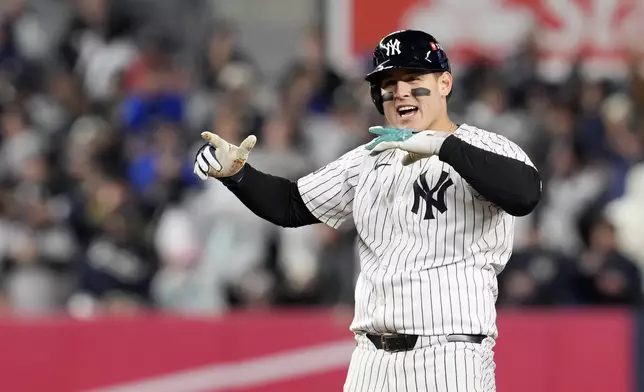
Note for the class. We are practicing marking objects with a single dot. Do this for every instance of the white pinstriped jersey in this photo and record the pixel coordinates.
(430, 246)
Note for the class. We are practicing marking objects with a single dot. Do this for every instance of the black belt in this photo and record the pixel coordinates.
(397, 342)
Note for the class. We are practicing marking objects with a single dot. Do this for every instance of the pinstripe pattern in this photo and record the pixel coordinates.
(434, 366)
(430, 277)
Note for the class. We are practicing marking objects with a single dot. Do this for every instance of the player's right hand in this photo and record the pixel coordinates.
(220, 159)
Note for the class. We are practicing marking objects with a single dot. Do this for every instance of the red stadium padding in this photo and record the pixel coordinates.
(566, 351)
(563, 351)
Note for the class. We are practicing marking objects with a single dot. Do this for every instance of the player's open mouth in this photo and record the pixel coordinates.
(406, 111)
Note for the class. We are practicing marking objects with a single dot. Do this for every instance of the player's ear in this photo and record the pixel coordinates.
(445, 81)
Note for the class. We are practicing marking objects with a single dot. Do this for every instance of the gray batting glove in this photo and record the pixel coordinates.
(420, 145)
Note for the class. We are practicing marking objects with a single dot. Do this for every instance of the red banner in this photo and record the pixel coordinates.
(292, 351)
(599, 32)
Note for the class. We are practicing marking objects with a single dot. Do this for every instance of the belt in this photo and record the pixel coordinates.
(398, 342)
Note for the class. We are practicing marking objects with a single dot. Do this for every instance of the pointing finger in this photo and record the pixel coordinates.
(215, 140)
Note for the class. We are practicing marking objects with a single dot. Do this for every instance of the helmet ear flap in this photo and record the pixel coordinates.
(376, 98)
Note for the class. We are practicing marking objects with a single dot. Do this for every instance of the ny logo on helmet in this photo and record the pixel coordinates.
(392, 47)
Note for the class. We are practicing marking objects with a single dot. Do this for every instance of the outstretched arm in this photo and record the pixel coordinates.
(325, 195)
(272, 198)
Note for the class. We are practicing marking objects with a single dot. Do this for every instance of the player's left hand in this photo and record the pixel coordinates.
(418, 144)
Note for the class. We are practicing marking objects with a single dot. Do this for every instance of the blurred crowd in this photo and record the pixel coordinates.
(100, 211)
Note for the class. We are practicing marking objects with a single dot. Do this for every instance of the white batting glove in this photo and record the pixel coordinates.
(220, 159)
(421, 144)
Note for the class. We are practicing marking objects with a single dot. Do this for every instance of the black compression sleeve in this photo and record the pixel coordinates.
(511, 184)
(272, 198)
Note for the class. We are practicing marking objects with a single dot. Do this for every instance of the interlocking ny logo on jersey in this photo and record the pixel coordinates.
(392, 47)
(422, 191)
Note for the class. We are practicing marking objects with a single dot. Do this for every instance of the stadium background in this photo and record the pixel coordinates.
(119, 271)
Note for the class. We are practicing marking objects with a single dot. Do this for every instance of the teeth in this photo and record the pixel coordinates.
(407, 111)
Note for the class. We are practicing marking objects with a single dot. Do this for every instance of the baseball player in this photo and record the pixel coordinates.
(434, 205)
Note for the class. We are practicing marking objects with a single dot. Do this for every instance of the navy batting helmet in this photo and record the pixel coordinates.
(405, 49)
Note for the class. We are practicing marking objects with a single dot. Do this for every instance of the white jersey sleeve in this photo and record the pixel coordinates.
(329, 191)
(492, 142)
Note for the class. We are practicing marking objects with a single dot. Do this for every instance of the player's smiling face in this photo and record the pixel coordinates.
(414, 99)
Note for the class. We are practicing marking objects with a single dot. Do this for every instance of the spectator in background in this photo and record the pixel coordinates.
(10, 59)
(222, 48)
(622, 144)
(573, 186)
(91, 23)
(153, 85)
(97, 46)
(119, 263)
(94, 146)
(162, 168)
(30, 40)
(183, 283)
(227, 80)
(626, 214)
(41, 248)
(491, 111)
(606, 276)
(520, 70)
(341, 130)
(590, 131)
(19, 143)
(277, 150)
(472, 81)
(238, 88)
(536, 276)
(54, 108)
(295, 93)
(312, 68)
(232, 265)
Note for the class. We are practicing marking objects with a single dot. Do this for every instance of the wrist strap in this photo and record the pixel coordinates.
(233, 180)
